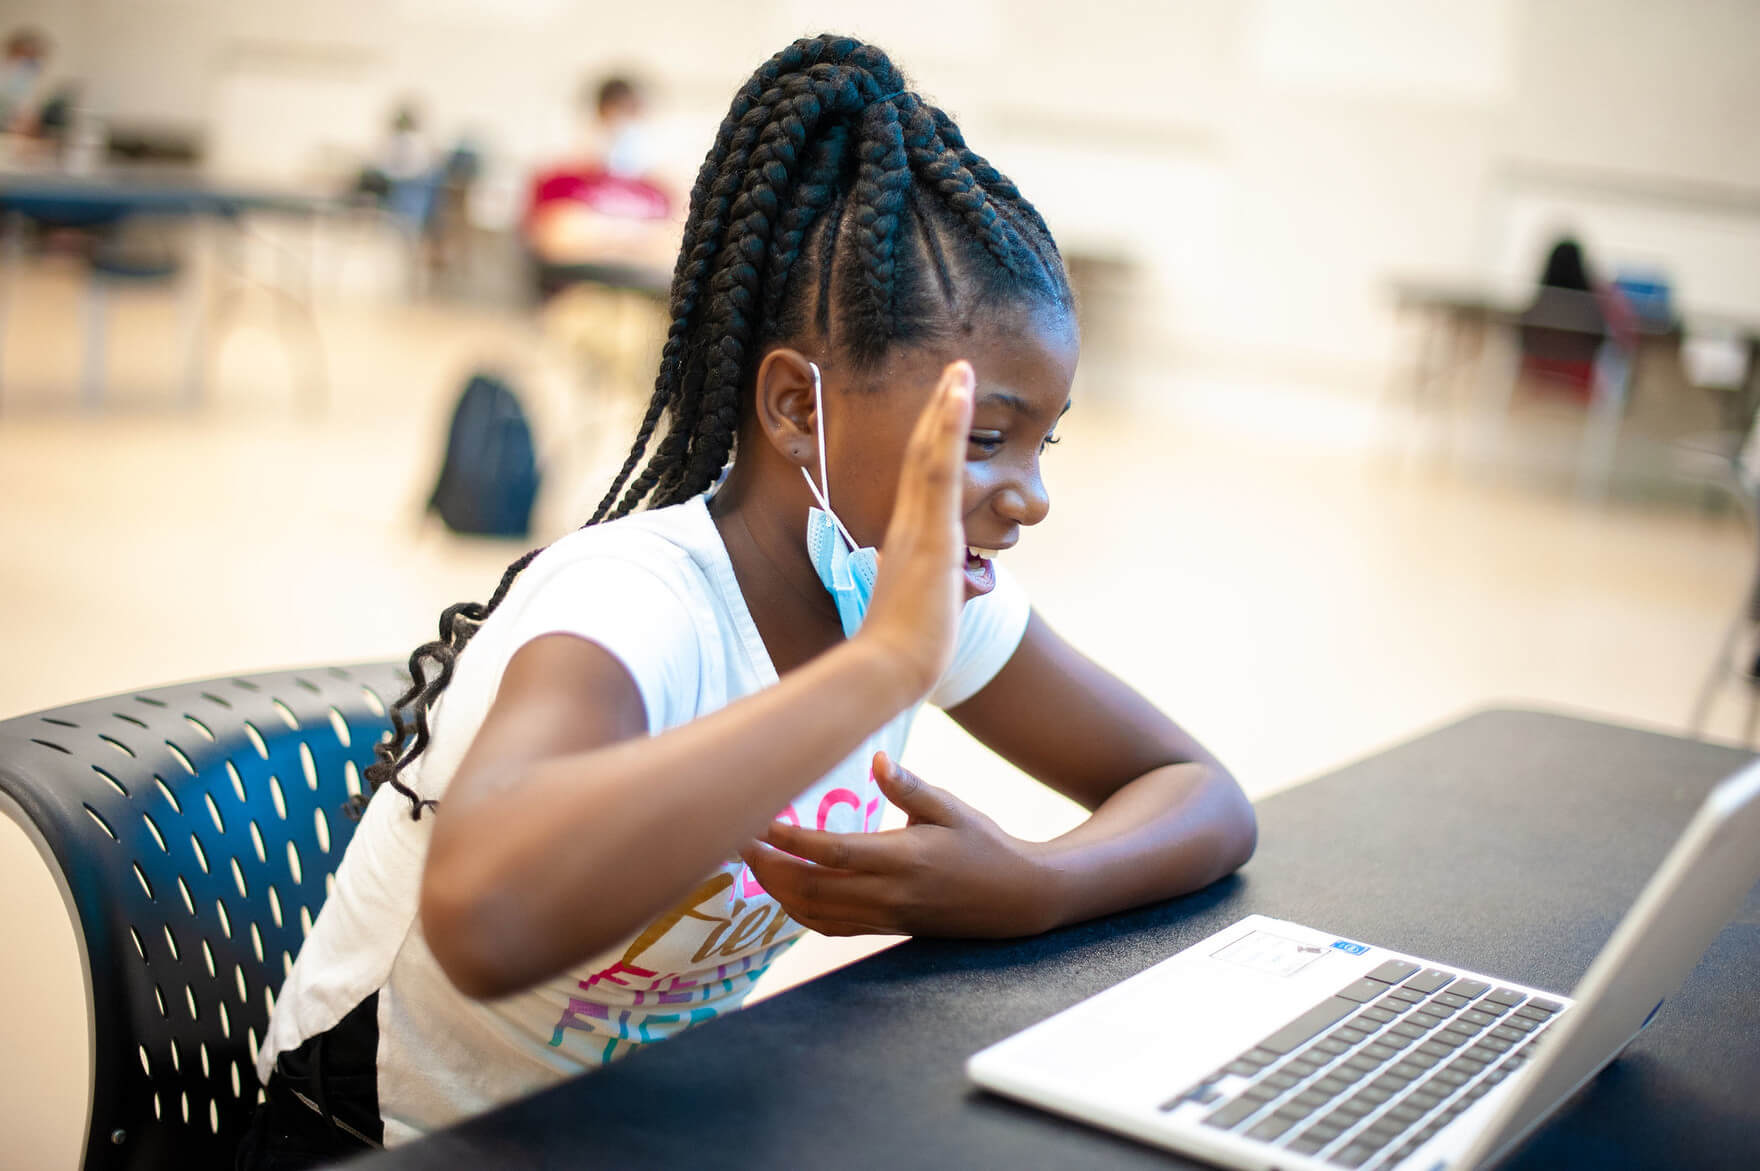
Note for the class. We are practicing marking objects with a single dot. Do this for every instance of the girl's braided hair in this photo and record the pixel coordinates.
(825, 157)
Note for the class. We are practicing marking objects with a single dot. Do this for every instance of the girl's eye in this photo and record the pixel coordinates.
(986, 443)
(1049, 440)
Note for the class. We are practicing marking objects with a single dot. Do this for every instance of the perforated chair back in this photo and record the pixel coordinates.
(195, 830)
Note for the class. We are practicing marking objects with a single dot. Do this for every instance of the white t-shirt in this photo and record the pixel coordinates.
(657, 590)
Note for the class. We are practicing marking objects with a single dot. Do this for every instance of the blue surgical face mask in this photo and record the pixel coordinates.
(848, 570)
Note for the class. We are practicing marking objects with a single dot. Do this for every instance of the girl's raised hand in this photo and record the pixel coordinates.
(918, 593)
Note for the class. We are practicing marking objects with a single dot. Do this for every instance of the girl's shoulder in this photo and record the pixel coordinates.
(678, 544)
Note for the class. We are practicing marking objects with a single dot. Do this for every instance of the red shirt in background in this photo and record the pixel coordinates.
(599, 190)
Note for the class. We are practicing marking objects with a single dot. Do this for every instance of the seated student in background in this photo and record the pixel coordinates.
(1571, 317)
(659, 753)
(609, 208)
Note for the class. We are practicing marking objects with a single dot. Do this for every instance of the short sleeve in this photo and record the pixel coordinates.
(632, 611)
(990, 628)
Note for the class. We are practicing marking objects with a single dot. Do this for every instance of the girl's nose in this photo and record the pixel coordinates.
(1024, 501)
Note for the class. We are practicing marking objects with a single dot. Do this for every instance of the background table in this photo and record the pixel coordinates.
(1511, 842)
(110, 195)
(1472, 331)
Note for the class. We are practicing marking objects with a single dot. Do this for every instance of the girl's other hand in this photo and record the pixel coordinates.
(918, 594)
(950, 872)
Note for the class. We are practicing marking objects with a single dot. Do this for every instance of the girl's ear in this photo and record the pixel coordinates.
(784, 406)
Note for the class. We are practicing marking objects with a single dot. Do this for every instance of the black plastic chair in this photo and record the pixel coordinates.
(194, 831)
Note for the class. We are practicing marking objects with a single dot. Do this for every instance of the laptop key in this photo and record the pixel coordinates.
(1362, 991)
(1546, 1006)
(1376, 1013)
(1406, 1113)
(1492, 1041)
(1429, 980)
(1516, 1020)
(1307, 1144)
(1491, 1006)
(1261, 1093)
(1508, 1034)
(1309, 1101)
(1508, 997)
(1267, 1129)
(1355, 1155)
(1301, 1066)
(1445, 1004)
(1281, 1080)
(1409, 995)
(1231, 1115)
(1242, 1068)
(1423, 1019)
(1408, 1028)
(1393, 971)
(1469, 988)
(1329, 1011)
(1333, 1084)
(1331, 1046)
(1474, 1017)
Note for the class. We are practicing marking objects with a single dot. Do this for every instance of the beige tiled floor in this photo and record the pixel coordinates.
(1249, 556)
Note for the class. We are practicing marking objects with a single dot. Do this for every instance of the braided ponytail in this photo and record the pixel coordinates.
(828, 184)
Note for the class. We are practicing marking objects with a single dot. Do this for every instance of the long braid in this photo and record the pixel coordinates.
(824, 140)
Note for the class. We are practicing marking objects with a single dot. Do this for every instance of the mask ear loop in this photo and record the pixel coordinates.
(823, 497)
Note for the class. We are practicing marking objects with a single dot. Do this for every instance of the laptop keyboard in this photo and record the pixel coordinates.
(1370, 1074)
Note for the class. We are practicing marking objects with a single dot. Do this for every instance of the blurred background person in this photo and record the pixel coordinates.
(1570, 319)
(611, 206)
(22, 80)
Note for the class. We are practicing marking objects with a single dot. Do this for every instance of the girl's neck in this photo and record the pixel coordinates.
(764, 531)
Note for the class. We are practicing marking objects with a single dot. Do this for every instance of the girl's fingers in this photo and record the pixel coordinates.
(810, 892)
(869, 853)
(929, 490)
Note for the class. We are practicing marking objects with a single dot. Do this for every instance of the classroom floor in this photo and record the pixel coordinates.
(1255, 557)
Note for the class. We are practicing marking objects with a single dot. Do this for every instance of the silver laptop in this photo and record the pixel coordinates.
(1271, 1045)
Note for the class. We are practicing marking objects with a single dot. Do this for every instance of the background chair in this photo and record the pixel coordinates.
(194, 831)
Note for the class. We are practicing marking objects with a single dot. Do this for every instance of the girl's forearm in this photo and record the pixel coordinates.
(1171, 831)
(601, 842)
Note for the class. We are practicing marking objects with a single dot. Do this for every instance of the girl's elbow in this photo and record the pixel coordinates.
(467, 935)
(1243, 830)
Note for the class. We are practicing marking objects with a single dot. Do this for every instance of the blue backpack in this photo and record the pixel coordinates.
(489, 476)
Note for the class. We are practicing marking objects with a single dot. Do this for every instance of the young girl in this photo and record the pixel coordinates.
(658, 754)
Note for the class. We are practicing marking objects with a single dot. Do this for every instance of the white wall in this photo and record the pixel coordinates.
(1266, 164)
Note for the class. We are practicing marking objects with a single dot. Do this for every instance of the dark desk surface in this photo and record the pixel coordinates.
(146, 189)
(1510, 842)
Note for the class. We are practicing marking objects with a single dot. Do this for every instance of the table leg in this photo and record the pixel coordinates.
(1607, 408)
(11, 258)
(97, 312)
(1500, 365)
(194, 313)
